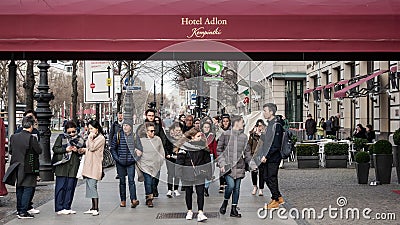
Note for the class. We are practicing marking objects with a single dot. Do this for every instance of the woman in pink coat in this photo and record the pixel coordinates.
(92, 169)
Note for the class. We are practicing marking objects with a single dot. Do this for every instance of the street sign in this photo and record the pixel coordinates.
(133, 88)
(213, 67)
(246, 100)
(213, 78)
(108, 82)
(98, 79)
(117, 84)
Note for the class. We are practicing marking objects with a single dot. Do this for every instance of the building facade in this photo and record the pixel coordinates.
(362, 92)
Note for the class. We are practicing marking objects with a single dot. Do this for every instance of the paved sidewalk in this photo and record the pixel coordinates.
(111, 213)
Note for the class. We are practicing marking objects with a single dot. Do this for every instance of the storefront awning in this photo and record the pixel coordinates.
(342, 93)
(308, 91)
(329, 85)
(319, 88)
(126, 26)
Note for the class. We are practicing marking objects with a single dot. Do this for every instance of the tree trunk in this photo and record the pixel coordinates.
(29, 85)
(74, 94)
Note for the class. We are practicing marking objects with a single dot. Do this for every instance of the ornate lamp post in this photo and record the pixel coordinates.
(44, 115)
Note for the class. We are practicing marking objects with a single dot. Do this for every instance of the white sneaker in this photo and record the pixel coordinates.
(90, 211)
(189, 215)
(71, 211)
(169, 194)
(201, 217)
(177, 193)
(34, 211)
(63, 212)
(95, 213)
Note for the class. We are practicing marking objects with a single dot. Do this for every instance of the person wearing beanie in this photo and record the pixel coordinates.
(126, 148)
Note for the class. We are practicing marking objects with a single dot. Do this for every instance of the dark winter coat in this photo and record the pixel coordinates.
(311, 126)
(197, 153)
(123, 152)
(69, 168)
(19, 144)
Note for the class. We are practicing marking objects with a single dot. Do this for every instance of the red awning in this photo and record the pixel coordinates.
(319, 88)
(329, 85)
(247, 26)
(343, 82)
(342, 93)
(393, 69)
(308, 91)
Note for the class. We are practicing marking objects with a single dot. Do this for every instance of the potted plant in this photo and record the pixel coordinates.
(362, 166)
(383, 159)
(307, 156)
(359, 143)
(371, 152)
(396, 141)
(336, 155)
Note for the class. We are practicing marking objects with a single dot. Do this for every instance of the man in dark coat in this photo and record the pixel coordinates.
(18, 173)
(311, 127)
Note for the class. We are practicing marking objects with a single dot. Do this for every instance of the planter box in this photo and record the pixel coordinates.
(336, 161)
(383, 167)
(307, 162)
(362, 170)
(396, 157)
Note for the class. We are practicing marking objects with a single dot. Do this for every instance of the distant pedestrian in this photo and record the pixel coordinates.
(116, 127)
(92, 170)
(329, 126)
(360, 132)
(370, 133)
(311, 127)
(209, 136)
(321, 129)
(175, 134)
(336, 125)
(254, 139)
(21, 172)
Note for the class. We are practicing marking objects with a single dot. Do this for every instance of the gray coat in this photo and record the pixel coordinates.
(233, 150)
(19, 144)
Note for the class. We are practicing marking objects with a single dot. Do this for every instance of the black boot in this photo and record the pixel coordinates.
(206, 194)
(234, 212)
(222, 210)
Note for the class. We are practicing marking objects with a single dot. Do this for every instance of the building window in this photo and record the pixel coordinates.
(294, 100)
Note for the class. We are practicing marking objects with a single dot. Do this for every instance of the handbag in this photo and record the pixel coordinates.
(31, 161)
(80, 169)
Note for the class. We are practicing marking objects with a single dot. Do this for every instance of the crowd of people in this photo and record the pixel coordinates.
(197, 152)
(331, 127)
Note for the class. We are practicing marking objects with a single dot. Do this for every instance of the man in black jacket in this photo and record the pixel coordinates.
(271, 153)
(116, 127)
(20, 171)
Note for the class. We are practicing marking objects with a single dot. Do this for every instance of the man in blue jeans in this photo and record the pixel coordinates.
(270, 153)
(23, 175)
(126, 147)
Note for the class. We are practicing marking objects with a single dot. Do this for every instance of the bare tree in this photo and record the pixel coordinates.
(74, 95)
(29, 84)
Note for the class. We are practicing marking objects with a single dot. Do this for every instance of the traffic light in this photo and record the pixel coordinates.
(206, 101)
(151, 105)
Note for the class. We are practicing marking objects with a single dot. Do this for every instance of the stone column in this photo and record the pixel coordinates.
(44, 115)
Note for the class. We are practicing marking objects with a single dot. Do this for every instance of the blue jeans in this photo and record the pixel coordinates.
(64, 192)
(24, 195)
(208, 182)
(232, 185)
(122, 172)
(148, 183)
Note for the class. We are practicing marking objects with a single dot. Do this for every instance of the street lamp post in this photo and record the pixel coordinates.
(44, 114)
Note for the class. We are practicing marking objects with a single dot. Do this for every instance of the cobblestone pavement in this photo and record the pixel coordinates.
(320, 188)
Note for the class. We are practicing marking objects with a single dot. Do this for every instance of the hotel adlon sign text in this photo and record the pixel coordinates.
(204, 27)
